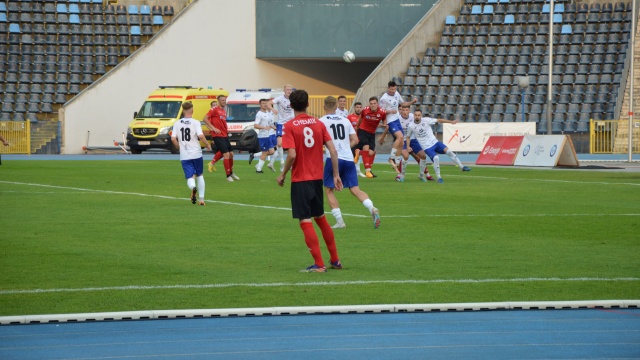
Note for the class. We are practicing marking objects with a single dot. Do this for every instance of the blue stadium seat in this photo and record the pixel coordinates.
(449, 20)
(158, 20)
(566, 29)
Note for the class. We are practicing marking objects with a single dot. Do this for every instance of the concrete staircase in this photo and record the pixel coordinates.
(621, 143)
(43, 133)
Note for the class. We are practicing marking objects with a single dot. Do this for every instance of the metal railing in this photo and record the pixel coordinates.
(18, 135)
(604, 137)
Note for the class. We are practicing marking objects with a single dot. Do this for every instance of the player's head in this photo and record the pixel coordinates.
(373, 103)
(299, 100)
(214, 103)
(392, 87)
(187, 109)
(222, 100)
(357, 107)
(417, 116)
(330, 104)
(404, 111)
(287, 90)
(342, 101)
(264, 104)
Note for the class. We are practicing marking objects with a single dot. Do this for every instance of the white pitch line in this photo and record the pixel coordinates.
(289, 209)
(317, 283)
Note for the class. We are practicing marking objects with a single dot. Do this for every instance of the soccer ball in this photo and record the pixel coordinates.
(348, 57)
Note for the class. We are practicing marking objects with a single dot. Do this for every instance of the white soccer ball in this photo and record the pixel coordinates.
(349, 57)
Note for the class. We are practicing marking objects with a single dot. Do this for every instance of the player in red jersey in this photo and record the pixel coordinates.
(216, 120)
(304, 137)
(368, 122)
(353, 118)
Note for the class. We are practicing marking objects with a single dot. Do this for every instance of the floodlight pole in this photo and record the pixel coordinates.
(550, 86)
(633, 55)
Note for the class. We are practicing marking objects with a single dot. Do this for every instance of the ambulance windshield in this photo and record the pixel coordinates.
(160, 109)
(242, 112)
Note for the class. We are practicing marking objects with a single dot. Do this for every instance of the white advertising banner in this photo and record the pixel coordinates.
(546, 150)
(471, 137)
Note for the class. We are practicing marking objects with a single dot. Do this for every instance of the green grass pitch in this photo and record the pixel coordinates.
(122, 235)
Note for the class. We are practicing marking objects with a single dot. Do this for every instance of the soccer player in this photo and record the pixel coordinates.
(304, 136)
(342, 104)
(264, 123)
(218, 154)
(282, 108)
(368, 122)
(390, 101)
(429, 144)
(344, 137)
(186, 136)
(216, 120)
(406, 117)
(353, 118)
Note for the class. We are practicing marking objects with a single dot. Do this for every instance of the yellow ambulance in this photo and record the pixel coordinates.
(152, 124)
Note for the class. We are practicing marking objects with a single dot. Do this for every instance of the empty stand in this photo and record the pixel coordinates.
(489, 44)
(52, 50)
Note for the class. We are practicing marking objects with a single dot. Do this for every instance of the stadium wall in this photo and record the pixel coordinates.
(325, 29)
(424, 34)
(192, 50)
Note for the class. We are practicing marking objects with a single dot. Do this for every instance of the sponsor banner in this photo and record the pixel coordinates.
(471, 137)
(547, 150)
(500, 150)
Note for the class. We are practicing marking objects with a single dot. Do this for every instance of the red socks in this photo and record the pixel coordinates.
(311, 239)
(365, 160)
(217, 156)
(227, 166)
(329, 238)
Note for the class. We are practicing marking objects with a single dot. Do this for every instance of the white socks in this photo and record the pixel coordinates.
(404, 166)
(201, 187)
(436, 165)
(455, 159)
(260, 165)
(191, 183)
(368, 204)
(338, 215)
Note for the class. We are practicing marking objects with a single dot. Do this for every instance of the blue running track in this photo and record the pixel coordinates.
(510, 334)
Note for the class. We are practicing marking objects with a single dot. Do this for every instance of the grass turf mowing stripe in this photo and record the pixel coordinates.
(315, 283)
(289, 209)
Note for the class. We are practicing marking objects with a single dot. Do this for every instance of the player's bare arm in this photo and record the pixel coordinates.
(174, 140)
(207, 121)
(444, 121)
(359, 122)
(353, 140)
(202, 138)
(409, 103)
(384, 135)
(287, 165)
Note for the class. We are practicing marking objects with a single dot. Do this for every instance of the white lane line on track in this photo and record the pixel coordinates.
(318, 283)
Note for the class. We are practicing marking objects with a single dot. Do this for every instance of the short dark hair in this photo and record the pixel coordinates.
(261, 100)
(187, 105)
(299, 100)
(373, 98)
(342, 97)
(357, 103)
(222, 96)
(392, 83)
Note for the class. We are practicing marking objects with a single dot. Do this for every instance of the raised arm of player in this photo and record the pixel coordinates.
(207, 121)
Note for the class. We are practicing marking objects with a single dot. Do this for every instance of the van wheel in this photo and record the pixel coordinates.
(136, 151)
(174, 150)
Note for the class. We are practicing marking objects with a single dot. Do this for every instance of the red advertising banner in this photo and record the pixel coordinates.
(500, 150)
